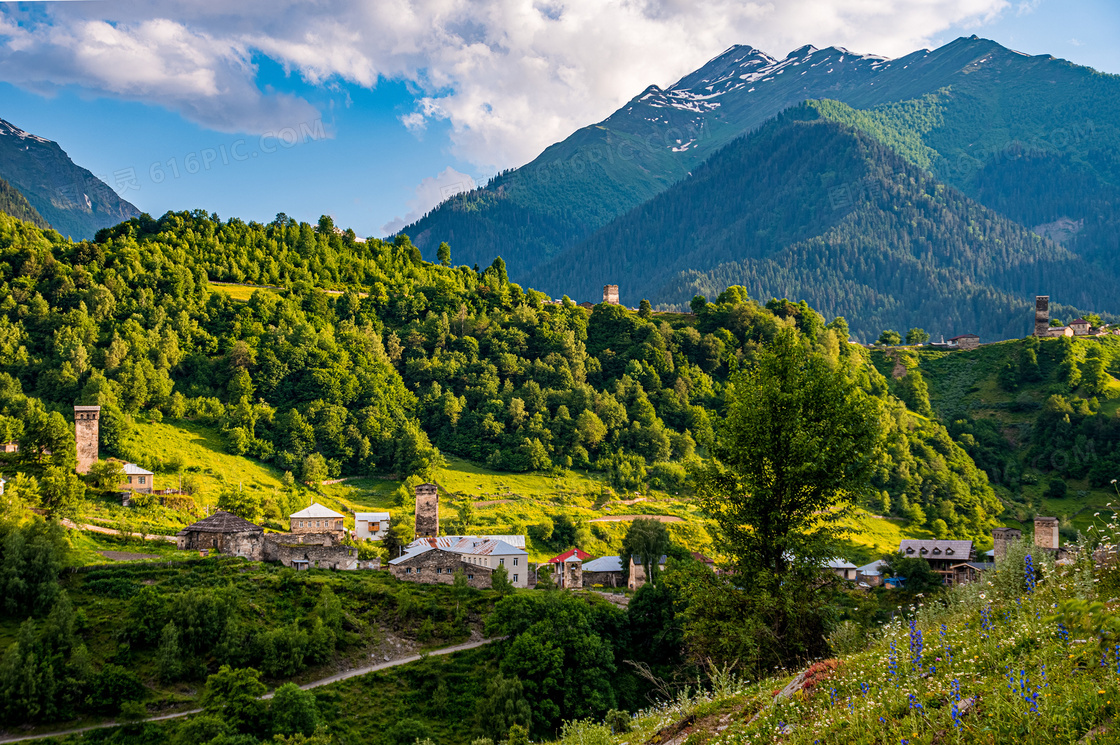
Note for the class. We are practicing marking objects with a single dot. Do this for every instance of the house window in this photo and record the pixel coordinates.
(142, 478)
(408, 571)
(515, 578)
(130, 479)
(501, 562)
(515, 561)
(470, 576)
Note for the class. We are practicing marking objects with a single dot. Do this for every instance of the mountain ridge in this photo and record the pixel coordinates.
(70, 198)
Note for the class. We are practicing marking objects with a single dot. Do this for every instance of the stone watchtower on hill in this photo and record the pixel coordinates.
(1046, 533)
(427, 511)
(86, 434)
(610, 294)
(1042, 315)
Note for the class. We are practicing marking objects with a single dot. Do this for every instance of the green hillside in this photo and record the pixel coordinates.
(813, 209)
(13, 203)
(1035, 416)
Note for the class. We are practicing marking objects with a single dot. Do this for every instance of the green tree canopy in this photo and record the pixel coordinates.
(798, 443)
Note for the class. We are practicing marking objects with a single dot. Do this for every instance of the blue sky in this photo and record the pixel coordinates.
(373, 112)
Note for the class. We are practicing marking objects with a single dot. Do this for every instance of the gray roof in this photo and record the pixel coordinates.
(131, 469)
(315, 510)
(874, 568)
(837, 563)
(414, 552)
(936, 549)
(449, 541)
(604, 564)
(222, 522)
(371, 516)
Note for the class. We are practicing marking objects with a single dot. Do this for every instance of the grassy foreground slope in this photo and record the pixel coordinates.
(989, 662)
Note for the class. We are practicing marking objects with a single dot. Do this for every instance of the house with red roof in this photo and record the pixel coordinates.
(567, 555)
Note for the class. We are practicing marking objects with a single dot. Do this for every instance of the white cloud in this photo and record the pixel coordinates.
(430, 192)
(509, 76)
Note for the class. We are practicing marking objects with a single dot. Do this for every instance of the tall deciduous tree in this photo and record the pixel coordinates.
(797, 445)
(646, 542)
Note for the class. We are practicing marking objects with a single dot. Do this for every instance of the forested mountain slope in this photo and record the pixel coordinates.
(74, 201)
(810, 208)
(407, 357)
(968, 109)
(13, 203)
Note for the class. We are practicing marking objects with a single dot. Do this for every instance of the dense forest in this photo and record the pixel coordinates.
(810, 208)
(405, 358)
(13, 203)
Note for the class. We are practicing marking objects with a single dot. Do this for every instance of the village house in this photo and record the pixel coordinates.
(638, 572)
(317, 519)
(871, 574)
(1059, 331)
(1080, 327)
(970, 571)
(11, 446)
(842, 568)
(447, 541)
(371, 525)
(433, 561)
(225, 533)
(941, 555)
(313, 551)
(137, 479)
(966, 341)
(606, 571)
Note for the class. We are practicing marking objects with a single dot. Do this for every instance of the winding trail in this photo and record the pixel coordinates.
(344, 675)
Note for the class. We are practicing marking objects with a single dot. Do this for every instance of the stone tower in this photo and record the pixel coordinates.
(427, 511)
(1046, 532)
(610, 294)
(1041, 315)
(86, 433)
(1002, 537)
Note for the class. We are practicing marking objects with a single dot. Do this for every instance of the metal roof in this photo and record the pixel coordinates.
(414, 552)
(936, 549)
(604, 564)
(486, 547)
(836, 563)
(873, 568)
(131, 469)
(566, 556)
(316, 510)
(447, 541)
(371, 516)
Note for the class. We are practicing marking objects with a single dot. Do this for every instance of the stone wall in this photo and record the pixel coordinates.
(438, 567)
(610, 294)
(86, 434)
(249, 544)
(1046, 532)
(317, 556)
(274, 541)
(1001, 538)
(606, 579)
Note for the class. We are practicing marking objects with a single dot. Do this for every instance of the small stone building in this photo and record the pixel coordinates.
(970, 571)
(309, 551)
(1041, 315)
(610, 294)
(966, 341)
(137, 479)
(225, 533)
(638, 572)
(871, 574)
(1080, 327)
(317, 519)
(429, 565)
(605, 571)
(842, 568)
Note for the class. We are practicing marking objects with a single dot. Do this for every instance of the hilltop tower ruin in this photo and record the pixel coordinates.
(610, 294)
(86, 434)
(427, 511)
(1002, 538)
(1042, 315)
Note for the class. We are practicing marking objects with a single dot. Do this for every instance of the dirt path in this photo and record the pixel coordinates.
(112, 531)
(621, 518)
(345, 675)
